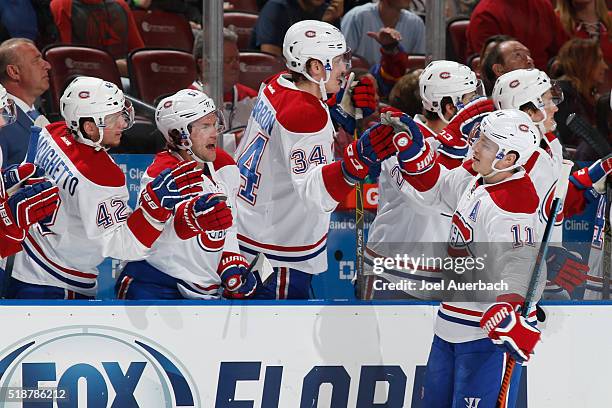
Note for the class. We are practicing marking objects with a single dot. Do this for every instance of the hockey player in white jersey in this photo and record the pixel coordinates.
(531, 91)
(31, 198)
(193, 258)
(494, 206)
(452, 93)
(289, 182)
(93, 220)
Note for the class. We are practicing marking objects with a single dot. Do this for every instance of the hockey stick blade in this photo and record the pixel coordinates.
(578, 125)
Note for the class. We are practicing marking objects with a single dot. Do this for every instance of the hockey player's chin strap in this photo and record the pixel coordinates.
(97, 144)
(320, 82)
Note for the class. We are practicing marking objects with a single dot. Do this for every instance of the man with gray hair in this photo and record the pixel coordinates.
(25, 75)
(238, 99)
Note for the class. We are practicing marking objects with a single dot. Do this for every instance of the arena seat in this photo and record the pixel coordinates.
(456, 30)
(68, 61)
(155, 71)
(415, 62)
(242, 23)
(162, 29)
(255, 67)
(243, 5)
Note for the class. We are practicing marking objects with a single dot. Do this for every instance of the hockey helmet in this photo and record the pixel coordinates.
(90, 97)
(519, 87)
(512, 131)
(312, 39)
(177, 113)
(7, 108)
(447, 79)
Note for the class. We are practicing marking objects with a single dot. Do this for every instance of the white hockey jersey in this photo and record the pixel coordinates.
(404, 225)
(91, 222)
(496, 223)
(284, 202)
(194, 261)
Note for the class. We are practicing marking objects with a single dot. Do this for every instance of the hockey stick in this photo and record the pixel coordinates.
(607, 255)
(579, 125)
(530, 301)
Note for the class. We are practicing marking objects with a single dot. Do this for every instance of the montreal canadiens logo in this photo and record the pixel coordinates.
(523, 127)
(212, 241)
(84, 94)
(445, 75)
(104, 366)
(461, 236)
(167, 104)
(514, 83)
(310, 34)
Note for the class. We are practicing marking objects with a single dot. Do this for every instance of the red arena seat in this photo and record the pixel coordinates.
(162, 29)
(255, 67)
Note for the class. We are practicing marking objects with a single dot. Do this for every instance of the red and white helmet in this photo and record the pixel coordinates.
(511, 130)
(177, 112)
(442, 79)
(94, 98)
(312, 39)
(522, 86)
(7, 108)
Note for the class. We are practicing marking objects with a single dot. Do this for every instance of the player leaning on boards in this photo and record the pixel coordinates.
(25, 197)
(451, 94)
(532, 91)
(197, 255)
(93, 220)
(493, 201)
(290, 184)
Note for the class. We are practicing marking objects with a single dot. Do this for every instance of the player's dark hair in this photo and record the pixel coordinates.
(405, 94)
(490, 58)
(528, 107)
(82, 125)
(297, 77)
(175, 137)
(517, 157)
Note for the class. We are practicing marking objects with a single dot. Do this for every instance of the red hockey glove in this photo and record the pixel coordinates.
(586, 177)
(510, 330)
(343, 108)
(565, 268)
(17, 175)
(413, 153)
(169, 188)
(238, 280)
(454, 136)
(374, 146)
(363, 96)
(27, 206)
(208, 212)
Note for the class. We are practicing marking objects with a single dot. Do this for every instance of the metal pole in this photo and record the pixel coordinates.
(212, 54)
(435, 26)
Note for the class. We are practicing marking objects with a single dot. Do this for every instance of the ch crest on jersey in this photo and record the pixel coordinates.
(212, 241)
(461, 236)
(546, 205)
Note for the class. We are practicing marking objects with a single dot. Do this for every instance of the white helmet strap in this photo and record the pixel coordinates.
(320, 82)
(97, 144)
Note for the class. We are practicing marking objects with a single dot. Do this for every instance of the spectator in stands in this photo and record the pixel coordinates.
(363, 23)
(588, 19)
(100, 23)
(405, 94)
(190, 9)
(25, 75)
(532, 22)
(501, 57)
(238, 99)
(277, 16)
(584, 69)
(30, 19)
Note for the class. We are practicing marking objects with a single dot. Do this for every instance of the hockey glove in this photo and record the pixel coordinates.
(239, 282)
(359, 102)
(27, 206)
(565, 268)
(374, 146)
(455, 135)
(17, 175)
(586, 177)
(413, 153)
(170, 187)
(509, 330)
(208, 212)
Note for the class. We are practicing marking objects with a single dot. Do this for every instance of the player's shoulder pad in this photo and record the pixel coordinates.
(95, 165)
(223, 159)
(517, 196)
(297, 111)
(162, 161)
